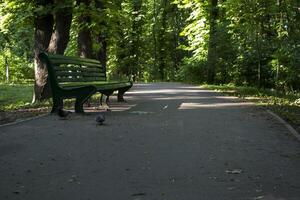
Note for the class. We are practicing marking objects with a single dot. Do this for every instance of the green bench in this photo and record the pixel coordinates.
(80, 78)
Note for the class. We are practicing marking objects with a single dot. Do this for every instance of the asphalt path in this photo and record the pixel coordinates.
(169, 141)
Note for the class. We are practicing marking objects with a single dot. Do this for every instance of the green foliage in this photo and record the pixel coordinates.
(20, 70)
(256, 42)
(16, 40)
(191, 69)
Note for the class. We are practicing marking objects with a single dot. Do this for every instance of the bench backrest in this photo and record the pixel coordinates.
(66, 69)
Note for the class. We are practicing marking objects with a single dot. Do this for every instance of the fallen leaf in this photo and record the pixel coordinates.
(234, 171)
(140, 112)
(258, 197)
(139, 194)
(231, 188)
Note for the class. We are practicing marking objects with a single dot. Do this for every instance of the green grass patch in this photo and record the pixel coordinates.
(13, 96)
(16, 96)
(286, 105)
(19, 96)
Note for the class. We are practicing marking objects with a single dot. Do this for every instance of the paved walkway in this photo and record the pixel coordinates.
(168, 142)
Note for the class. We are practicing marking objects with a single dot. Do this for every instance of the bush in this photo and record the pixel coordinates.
(193, 72)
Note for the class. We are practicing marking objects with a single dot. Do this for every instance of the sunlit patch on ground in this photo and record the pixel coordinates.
(185, 106)
(169, 91)
(115, 107)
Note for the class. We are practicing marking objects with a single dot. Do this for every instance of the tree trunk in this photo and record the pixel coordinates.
(176, 32)
(212, 51)
(6, 70)
(61, 34)
(135, 34)
(84, 39)
(42, 35)
(102, 52)
(51, 41)
(162, 42)
(154, 34)
(101, 39)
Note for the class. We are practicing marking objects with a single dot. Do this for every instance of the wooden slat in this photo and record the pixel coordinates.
(79, 79)
(75, 69)
(72, 68)
(75, 62)
(94, 78)
(69, 73)
(67, 59)
(93, 74)
(92, 69)
(79, 73)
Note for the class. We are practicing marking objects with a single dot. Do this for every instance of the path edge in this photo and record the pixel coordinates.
(288, 126)
(24, 120)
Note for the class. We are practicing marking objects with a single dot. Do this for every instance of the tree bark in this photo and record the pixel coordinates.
(212, 51)
(162, 42)
(49, 40)
(121, 44)
(6, 69)
(42, 34)
(84, 40)
(135, 34)
(154, 34)
(101, 55)
(61, 35)
(102, 52)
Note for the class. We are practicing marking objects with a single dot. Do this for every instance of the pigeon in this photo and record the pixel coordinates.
(100, 118)
(63, 113)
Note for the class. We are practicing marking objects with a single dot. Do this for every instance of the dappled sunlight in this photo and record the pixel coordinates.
(180, 98)
(187, 106)
(225, 97)
(115, 107)
(191, 87)
(167, 91)
(192, 97)
(121, 107)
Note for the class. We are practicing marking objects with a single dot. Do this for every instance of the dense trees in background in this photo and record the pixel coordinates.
(254, 42)
(245, 42)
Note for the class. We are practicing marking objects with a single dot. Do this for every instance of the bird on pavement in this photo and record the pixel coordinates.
(100, 118)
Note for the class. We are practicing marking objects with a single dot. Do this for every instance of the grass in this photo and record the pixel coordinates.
(19, 96)
(14, 96)
(286, 105)
(15, 103)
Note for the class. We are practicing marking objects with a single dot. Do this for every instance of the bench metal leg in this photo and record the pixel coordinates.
(57, 104)
(121, 93)
(101, 99)
(107, 100)
(85, 94)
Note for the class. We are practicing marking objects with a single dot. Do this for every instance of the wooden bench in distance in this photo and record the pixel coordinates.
(80, 78)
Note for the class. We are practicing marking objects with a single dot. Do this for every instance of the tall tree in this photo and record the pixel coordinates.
(84, 39)
(136, 32)
(62, 24)
(162, 40)
(101, 37)
(51, 35)
(43, 30)
(212, 57)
